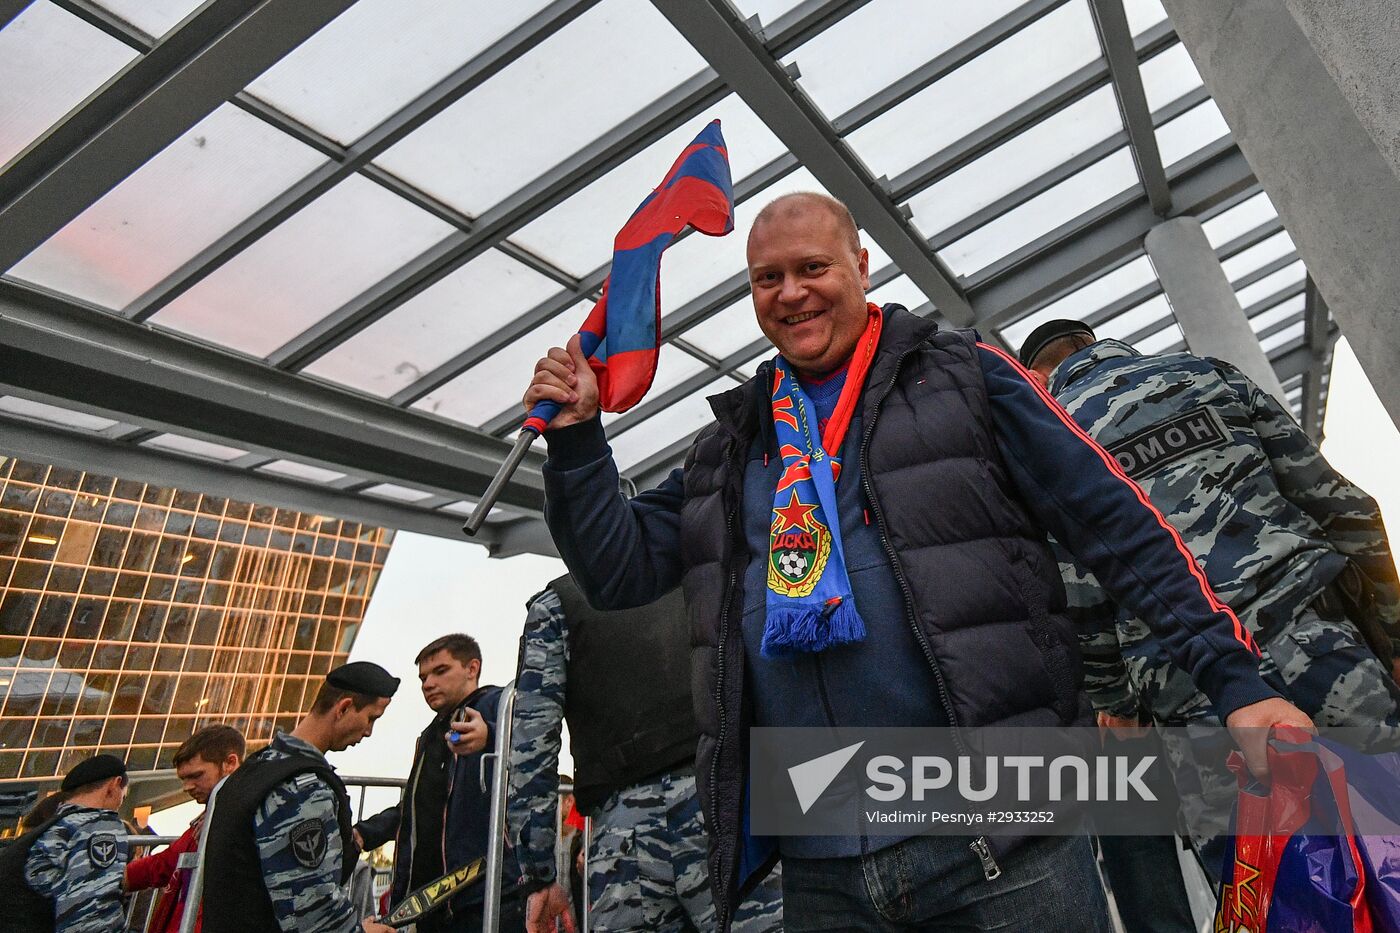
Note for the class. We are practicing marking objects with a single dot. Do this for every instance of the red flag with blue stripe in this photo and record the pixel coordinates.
(622, 335)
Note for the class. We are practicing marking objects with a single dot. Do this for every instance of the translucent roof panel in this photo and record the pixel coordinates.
(193, 447)
(153, 17)
(1168, 76)
(477, 395)
(900, 290)
(1017, 69)
(302, 471)
(1239, 220)
(42, 411)
(925, 32)
(1083, 302)
(577, 234)
(1143, 14)
(1271, 284)
(727, 332)
(396, 493)
(1018, 161)
(379, 55)
(1191, 132)
(660, 431)
(1123, 326)
(1096, 184)
(1163, 339)
(317, 260)
(1278, 339)
(436, 324)
(1279, 312)
(585, 79)
(673, 367)
(197, 189)
(766, 10)
(1258, 256)
(50, 61)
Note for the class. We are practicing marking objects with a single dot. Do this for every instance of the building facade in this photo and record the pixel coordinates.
(132, 614)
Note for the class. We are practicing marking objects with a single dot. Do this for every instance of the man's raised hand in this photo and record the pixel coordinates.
(563, 376)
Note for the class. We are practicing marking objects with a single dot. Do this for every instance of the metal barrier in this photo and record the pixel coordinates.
(496, 827)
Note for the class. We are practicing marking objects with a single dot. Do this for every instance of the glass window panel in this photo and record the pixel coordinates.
(699, 263)
(1280, 312)
(901, 290)
(379, 55)
(1239, 220)
(1270, 284)
(766, 10)
(194, 447)
(925, 31)
(1143, 14)
(153, 17)
(325, 255)
(1162, 340)
(673, 367)
(663, 429)
(1083, 302)
(626, 54)
(1285, 336)
(1123, 326)
(1169, 75)
(40, 411)
(50, 61)
(727, 332)
(195, 190)
(1018, 161)
(1258, 256)
(1096, 184)
(435, 324)
(1189, 133)
(397, 493)
(306, 471)
(1025, 64)
(577, 234)
(485, 390)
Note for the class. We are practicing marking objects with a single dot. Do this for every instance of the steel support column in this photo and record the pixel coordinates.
(1111, 22)
(1315, 339)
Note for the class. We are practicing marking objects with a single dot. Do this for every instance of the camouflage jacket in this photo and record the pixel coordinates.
(305, 889)
(79, 863)
(535, 736)
(1267, 519)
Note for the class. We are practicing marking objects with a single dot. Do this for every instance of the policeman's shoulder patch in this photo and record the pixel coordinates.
(307, 840)
(102, 849)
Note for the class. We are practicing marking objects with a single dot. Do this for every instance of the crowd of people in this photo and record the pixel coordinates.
(1078, 532)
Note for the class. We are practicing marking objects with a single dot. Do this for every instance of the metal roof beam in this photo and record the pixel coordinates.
(714, 28)
(471, 75)
(1315, 339)
(10, 9)
(56, 347)
(184, 77)
(593, 161)
(1116, 38)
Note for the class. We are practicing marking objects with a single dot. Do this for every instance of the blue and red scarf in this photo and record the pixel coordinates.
(810, 606)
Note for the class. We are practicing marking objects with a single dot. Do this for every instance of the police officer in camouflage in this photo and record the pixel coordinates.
(622, 681)
(280, 848)
(65, 875)
(1298, 552)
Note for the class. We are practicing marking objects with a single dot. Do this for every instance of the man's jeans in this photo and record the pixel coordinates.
(1048, 884)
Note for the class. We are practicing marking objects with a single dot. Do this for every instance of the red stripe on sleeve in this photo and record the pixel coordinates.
(1241, 633)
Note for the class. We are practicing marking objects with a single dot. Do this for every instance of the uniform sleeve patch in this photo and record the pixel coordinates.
(1166, 442)
(308, 842)
(102, 849)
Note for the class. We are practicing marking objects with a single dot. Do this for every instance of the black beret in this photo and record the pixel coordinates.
(91, 770)
(1049, 331)
(363, 677)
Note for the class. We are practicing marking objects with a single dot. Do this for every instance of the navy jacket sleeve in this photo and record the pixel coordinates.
(1078, 493)
(623, 553)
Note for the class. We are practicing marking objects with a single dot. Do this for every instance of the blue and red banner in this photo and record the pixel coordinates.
(622, 335)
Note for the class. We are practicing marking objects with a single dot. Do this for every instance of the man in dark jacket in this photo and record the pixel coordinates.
(953, 465)
(442, 822)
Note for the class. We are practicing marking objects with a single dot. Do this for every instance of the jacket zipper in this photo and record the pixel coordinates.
(722, 903)
(991, 871)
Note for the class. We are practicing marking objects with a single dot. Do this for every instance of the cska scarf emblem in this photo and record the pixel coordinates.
(810, 606)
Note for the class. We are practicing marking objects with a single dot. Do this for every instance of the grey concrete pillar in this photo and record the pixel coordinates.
(1205, 305)
(1314, 104)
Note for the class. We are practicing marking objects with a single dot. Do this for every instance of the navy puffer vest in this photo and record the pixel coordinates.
(997, 639)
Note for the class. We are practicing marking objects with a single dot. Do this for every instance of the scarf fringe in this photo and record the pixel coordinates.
(790, 630)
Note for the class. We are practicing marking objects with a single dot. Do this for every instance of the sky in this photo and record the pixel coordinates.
(431, 586)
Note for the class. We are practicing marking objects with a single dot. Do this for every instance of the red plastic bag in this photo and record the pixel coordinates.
(1294, 864)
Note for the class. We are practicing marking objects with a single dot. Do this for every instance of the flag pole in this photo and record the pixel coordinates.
(498, 483)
